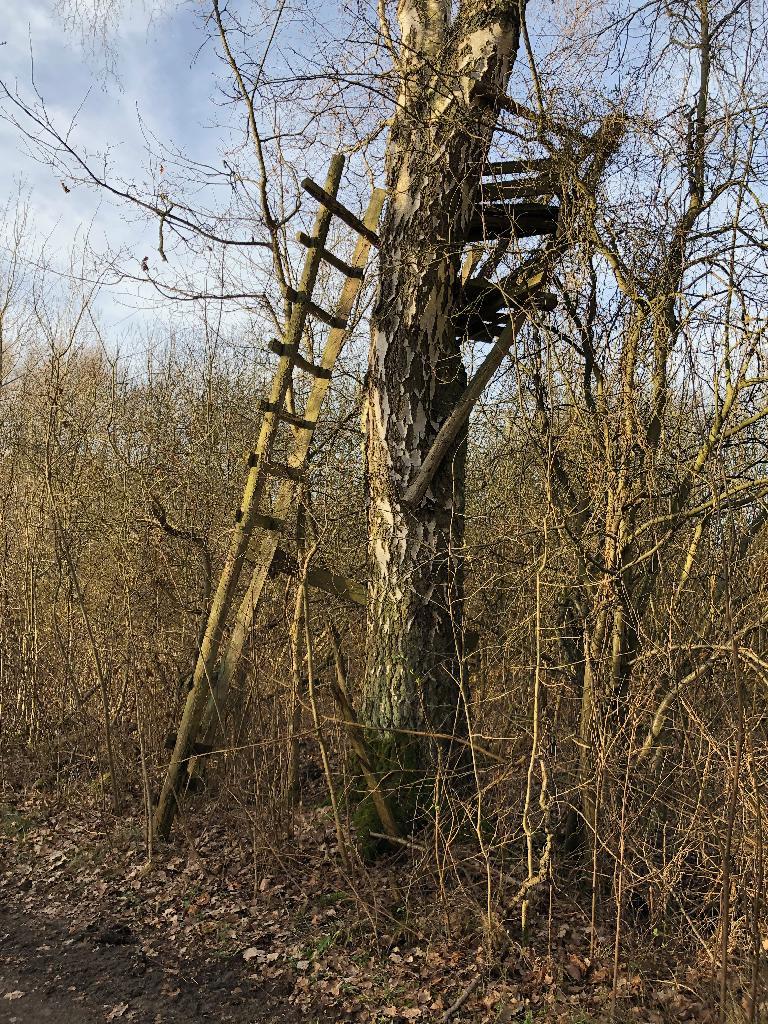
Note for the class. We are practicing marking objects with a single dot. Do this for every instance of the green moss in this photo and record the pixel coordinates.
(330, 899)
(14, 824)
(406, 780)
(366, 822)
(412, 776)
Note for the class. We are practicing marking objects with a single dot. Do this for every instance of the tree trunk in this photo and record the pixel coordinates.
(439, 142)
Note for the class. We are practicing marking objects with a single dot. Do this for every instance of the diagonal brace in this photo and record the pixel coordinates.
(450, 430)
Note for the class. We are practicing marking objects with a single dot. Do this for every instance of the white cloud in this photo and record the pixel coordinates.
(155, 85)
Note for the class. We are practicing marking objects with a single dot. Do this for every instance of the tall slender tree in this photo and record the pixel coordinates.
(453, 73)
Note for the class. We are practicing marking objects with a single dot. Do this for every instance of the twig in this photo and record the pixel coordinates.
(455, 1007)
(410, 844)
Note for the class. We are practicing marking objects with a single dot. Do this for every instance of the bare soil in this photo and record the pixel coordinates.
(51, 974)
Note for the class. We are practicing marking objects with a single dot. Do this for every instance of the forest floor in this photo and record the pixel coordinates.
(228, 925)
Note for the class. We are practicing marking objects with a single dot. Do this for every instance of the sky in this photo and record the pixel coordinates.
(162, 81)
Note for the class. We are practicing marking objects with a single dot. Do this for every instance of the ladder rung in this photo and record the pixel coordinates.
(285, 472)
(332, 204)
(266, 522)
(288, 417)
(303, 364)
(314, 368)
(321, 578)
(346, 268)
(518, 166)
(315, 310)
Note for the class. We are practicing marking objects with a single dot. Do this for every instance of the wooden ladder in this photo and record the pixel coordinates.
(257, 529)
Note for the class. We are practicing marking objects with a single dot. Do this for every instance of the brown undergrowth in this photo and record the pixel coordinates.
(392, 941)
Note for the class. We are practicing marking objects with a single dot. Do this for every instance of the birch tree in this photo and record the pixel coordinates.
(453, 72)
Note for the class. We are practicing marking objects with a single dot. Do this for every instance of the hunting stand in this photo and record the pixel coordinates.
(488, 311)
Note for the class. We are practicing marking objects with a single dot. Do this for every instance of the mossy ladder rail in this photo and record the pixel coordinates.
(256, 532)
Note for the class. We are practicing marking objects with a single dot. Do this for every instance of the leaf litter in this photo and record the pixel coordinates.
(297, 938)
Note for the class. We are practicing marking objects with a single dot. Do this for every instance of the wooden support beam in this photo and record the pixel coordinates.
(520, 220)
(507, 292)
(323, 579)
(339, 210)
(449, 431)
(317, 311)
(501, 167)
(314, 369)
(341, 265)
(485, 327)
(486, 301)
(562, 127)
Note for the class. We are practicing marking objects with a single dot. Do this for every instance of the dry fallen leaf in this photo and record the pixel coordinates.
(250, 953)
(17, 994)
(117, 1011)
(573, 972)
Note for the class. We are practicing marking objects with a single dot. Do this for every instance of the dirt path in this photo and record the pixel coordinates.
(51, 976)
